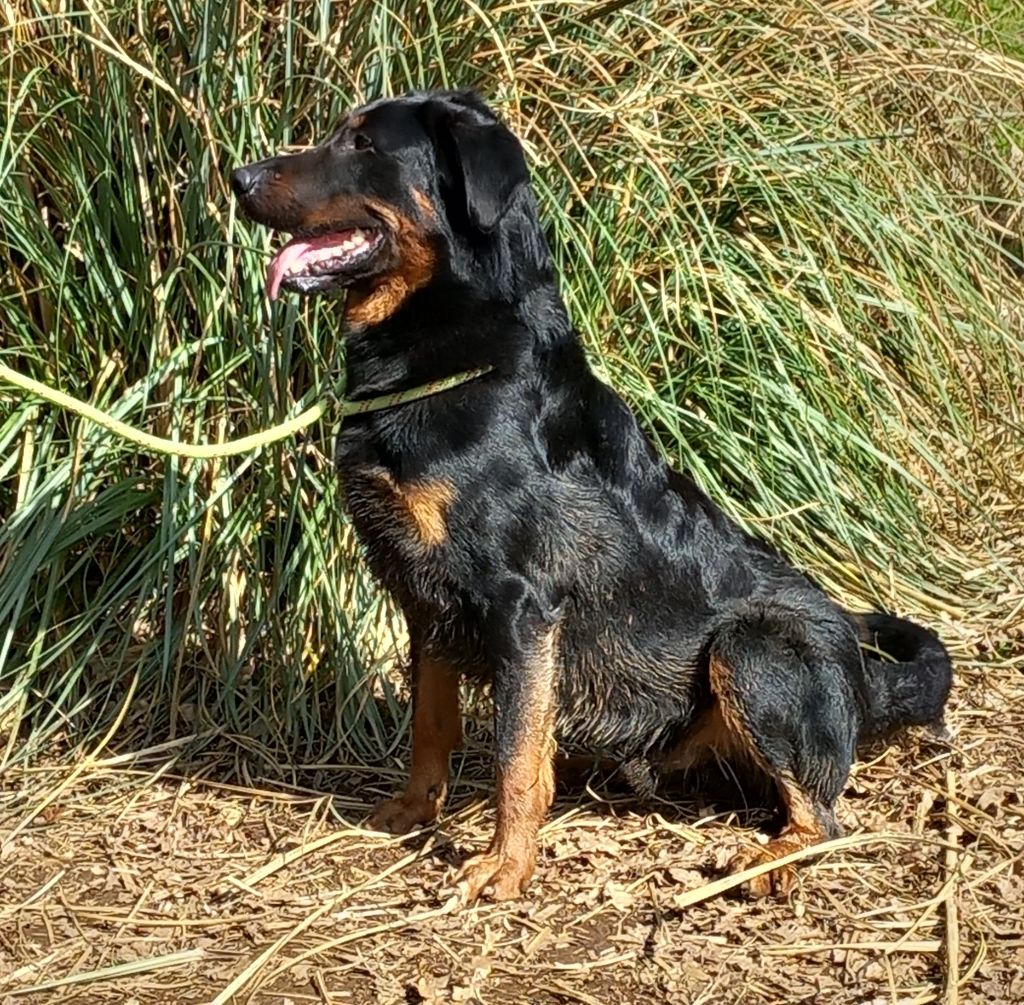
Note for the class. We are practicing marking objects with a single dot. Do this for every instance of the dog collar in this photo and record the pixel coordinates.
(345, 407)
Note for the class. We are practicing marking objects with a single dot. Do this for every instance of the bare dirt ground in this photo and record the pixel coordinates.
(144, 877)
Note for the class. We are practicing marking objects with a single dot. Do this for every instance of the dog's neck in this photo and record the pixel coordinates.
(451, 327)
(476, 300)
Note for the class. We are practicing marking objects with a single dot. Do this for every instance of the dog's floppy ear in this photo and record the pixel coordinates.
(481, 162)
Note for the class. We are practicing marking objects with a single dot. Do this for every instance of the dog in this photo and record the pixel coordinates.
(533, 537)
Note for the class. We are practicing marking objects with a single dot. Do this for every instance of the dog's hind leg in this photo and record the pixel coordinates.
(436, 732)
(785, 697)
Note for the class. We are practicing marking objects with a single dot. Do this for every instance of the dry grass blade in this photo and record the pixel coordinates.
(150, 964)
(737, 879)
(951, 992)
(926, 946)
(287, 858)
(322, 948)
(619, 894)
(252, 970)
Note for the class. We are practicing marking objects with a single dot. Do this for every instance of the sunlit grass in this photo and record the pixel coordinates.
(789, 233)
(1000, 23)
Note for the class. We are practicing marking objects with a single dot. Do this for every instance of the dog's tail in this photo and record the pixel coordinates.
(908, 675)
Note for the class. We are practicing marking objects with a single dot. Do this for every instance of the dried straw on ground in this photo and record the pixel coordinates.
(135, 880)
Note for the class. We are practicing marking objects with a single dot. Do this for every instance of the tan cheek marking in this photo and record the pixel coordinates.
(415, 269)
(356, 121)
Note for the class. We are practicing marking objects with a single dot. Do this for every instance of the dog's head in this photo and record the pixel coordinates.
(403, 189)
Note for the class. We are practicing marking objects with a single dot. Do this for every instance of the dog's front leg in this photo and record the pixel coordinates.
(436, 732)
(524, 646)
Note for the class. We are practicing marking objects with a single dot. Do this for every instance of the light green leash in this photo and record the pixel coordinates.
(176, 448)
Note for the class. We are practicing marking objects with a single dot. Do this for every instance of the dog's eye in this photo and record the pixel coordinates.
(362, 142)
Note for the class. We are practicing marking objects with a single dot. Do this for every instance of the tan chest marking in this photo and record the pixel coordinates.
(422, 506)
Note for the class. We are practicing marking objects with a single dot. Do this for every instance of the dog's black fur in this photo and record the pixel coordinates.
(530, 532)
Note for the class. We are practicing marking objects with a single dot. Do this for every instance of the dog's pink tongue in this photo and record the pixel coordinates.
(291, 253)
(282, 262)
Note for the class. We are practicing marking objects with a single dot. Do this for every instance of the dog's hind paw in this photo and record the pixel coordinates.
(779, 881)
(494, 876)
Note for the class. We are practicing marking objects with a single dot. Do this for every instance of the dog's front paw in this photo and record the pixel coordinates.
(779, 881)
(401, 815)
(494, 875)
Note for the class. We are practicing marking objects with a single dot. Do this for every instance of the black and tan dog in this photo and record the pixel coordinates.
(531, 534)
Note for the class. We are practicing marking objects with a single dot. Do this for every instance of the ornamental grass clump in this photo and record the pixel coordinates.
(790, 233)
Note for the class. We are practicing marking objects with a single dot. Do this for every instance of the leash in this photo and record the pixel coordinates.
(229, 448)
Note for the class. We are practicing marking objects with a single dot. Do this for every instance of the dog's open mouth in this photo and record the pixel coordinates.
(314, 264)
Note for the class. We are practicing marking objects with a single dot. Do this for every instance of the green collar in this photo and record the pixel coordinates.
(345, 408)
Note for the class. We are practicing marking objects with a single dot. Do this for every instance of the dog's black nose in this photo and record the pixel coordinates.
(244, 179)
